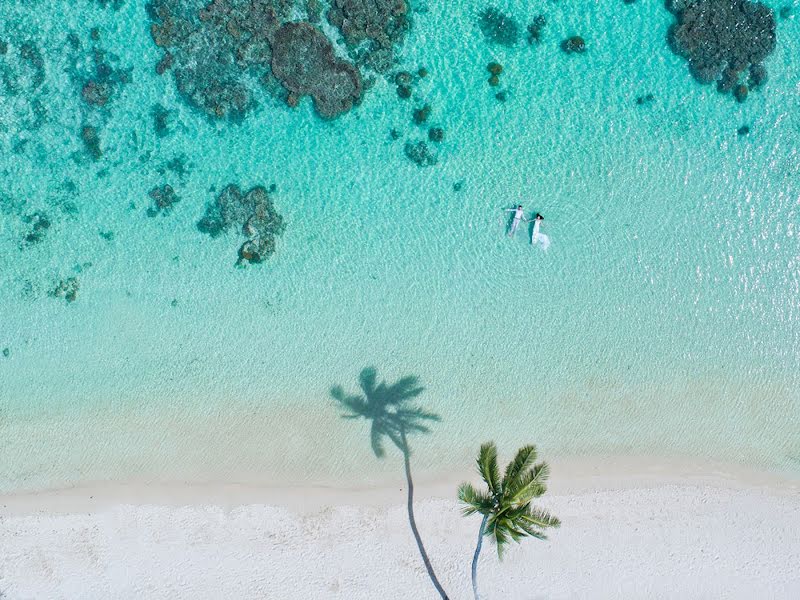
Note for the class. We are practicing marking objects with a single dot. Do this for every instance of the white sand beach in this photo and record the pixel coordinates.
(630, 530)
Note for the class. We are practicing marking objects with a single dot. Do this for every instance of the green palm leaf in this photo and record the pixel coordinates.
(521, 463)
(541, 518)
(506, 503)
(487, 466)
(476, 502)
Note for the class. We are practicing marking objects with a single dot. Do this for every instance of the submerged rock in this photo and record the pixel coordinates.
(498, 27)
(574, 45)
(67, 289)
(164, 198)
(535, 29)
(304, 62)
(39, 224)
(721, 39)
(161, 118)
(404, 92)
(252, 213)
(380, 23)
(436, 134)
(758, 75)
(403, 78)
(93, 73)
(221, 52)
(743, 130)
(421, 114)
(420, 153)
(91, 141)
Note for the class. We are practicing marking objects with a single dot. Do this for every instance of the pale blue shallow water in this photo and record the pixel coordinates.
(663, 320)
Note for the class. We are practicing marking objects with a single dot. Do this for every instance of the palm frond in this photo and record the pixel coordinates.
(521, 463)
(532, 531)
(541, 518)
(476, 502)
(541, 472)
(500, 537)
(487, 467)
(524, 489)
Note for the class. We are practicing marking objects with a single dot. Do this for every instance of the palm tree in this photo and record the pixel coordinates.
(506, 504)
(391, 414)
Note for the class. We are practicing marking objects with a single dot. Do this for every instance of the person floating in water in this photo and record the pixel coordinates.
(537, 237)
(519, 215)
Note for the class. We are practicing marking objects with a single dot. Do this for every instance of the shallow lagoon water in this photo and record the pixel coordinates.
(663, 319)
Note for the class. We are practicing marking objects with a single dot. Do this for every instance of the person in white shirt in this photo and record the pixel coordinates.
(519, 215)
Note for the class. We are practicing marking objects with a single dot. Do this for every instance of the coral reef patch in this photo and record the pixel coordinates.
(724, 41)
(420, 153)
(498, 27)
(371, 29)
(252, 213)
(304, 62)
(223, 53)
(66, 289)
(164, 198)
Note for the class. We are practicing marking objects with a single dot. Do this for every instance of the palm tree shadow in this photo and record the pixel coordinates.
(393, 415)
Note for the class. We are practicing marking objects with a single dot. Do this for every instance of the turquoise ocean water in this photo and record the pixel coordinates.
(664, 319)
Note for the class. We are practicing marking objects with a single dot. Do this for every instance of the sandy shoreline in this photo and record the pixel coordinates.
(633, 528)
(571, 475)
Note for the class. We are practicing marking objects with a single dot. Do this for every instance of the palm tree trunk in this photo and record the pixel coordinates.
(413, 522)
(475, 558)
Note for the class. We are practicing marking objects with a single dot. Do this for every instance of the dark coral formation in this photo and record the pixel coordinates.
(253, 213)
(421, 114)
(38, 223)
(222, 52)
(420, 154)
(724, 41)
(99, 79)
(495, 69)
(91, 141)
(164, 198)
(67, 289)
(22, 75)
(304, 61)
(535, 29)
(95, 74)
(574, 45)
(371, 29)
(498, 27)
(161, 117)
(218, 50)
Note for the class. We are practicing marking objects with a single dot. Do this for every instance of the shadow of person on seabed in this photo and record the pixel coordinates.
(392, 415)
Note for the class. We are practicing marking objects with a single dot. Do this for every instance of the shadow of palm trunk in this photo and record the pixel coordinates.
(412, 520)
(392, 414)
